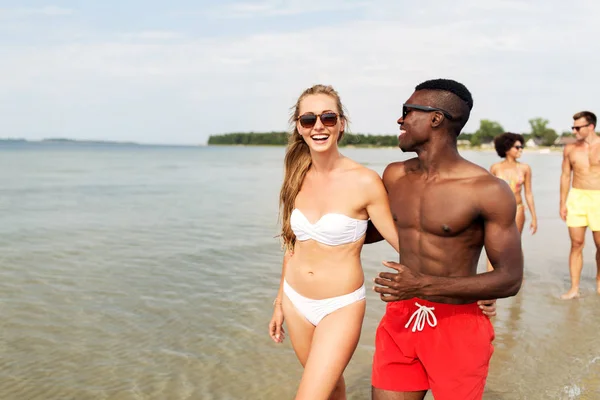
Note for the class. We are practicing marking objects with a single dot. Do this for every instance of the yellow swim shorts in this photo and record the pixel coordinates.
(583, 209)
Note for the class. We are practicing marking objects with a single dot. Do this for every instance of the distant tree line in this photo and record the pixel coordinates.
(540, 133)
(252, 138)
(281, 139)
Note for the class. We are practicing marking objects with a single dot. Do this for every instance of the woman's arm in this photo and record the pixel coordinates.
(529, 198)
(286, 257)
(276, 330)
(378, 208)
(391, 173)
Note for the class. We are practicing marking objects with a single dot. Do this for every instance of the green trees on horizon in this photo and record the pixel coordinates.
(281, 139)
(540, 133)
(251, 138)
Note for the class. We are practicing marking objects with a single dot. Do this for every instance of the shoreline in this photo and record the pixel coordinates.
(539, 149)
(90, 143)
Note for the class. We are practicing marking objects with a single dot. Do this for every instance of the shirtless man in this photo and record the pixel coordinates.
(433, 334)
(581, 208)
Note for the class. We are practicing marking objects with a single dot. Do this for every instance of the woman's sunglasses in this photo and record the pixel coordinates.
(518, 147)
(309, 120)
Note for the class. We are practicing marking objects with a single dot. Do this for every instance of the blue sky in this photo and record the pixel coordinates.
(178, 71)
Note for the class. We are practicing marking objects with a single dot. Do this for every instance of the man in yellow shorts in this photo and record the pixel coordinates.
(581, 208)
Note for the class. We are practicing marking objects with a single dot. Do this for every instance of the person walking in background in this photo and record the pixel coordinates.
(518, 176)
(580, 206)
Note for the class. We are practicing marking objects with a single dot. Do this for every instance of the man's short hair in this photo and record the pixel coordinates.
(452, 97)
(589, 116)
(448, 85)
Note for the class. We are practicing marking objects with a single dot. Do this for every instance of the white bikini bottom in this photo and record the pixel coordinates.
(315, 310)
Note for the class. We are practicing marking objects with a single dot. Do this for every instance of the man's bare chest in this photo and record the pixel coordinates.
(444, 210)
(586, 157)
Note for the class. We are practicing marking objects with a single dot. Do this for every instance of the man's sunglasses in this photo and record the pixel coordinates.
(309, 120)
(407, 107)
(518, 147)
(577, 128)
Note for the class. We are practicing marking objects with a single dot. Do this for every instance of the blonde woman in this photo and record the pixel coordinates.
(326, 201)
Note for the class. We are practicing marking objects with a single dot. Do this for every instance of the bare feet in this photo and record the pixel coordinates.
(571, 294)
(598, 285)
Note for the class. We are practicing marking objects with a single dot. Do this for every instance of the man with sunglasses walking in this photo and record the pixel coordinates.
(581, 208)
(433, 334)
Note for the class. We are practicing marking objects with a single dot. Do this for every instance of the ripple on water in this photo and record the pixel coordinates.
(147, 274)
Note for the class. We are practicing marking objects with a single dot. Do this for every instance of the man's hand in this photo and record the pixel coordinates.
(563, 212)
(488, 307)
(401, 285)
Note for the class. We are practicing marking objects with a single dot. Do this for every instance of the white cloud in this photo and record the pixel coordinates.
(519, 63)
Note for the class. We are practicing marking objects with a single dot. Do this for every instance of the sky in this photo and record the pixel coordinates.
(176, 72)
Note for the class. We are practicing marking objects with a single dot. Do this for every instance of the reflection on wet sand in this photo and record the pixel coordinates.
(545, 350)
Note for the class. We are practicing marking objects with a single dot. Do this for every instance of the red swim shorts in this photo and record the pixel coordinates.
(422, 345)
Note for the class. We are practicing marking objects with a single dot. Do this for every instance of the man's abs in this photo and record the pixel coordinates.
(459, 262)
(587, 180)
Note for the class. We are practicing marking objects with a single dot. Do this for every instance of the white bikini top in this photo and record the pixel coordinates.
(332, 229)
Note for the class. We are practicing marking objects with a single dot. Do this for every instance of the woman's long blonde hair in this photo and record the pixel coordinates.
(298, 161)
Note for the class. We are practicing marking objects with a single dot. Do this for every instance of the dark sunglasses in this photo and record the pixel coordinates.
(407, 107)
(309, 120)
(577, 128)
(518, 147)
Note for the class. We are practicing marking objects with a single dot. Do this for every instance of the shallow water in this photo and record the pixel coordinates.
(149, 272)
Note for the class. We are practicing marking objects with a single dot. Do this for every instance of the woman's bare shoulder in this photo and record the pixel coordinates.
(495, 166)
(366, 174)
(524, 167)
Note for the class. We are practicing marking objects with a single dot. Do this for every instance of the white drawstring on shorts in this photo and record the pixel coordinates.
(422, 314)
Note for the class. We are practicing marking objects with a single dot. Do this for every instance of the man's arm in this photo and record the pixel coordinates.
(529, 198)
(565, 182)
(373, 234)
(503, 247)
(502, 243)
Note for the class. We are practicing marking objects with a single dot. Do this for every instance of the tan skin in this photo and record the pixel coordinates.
(581, 168)
(446, 210)
(511, 167)
(333, 184)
